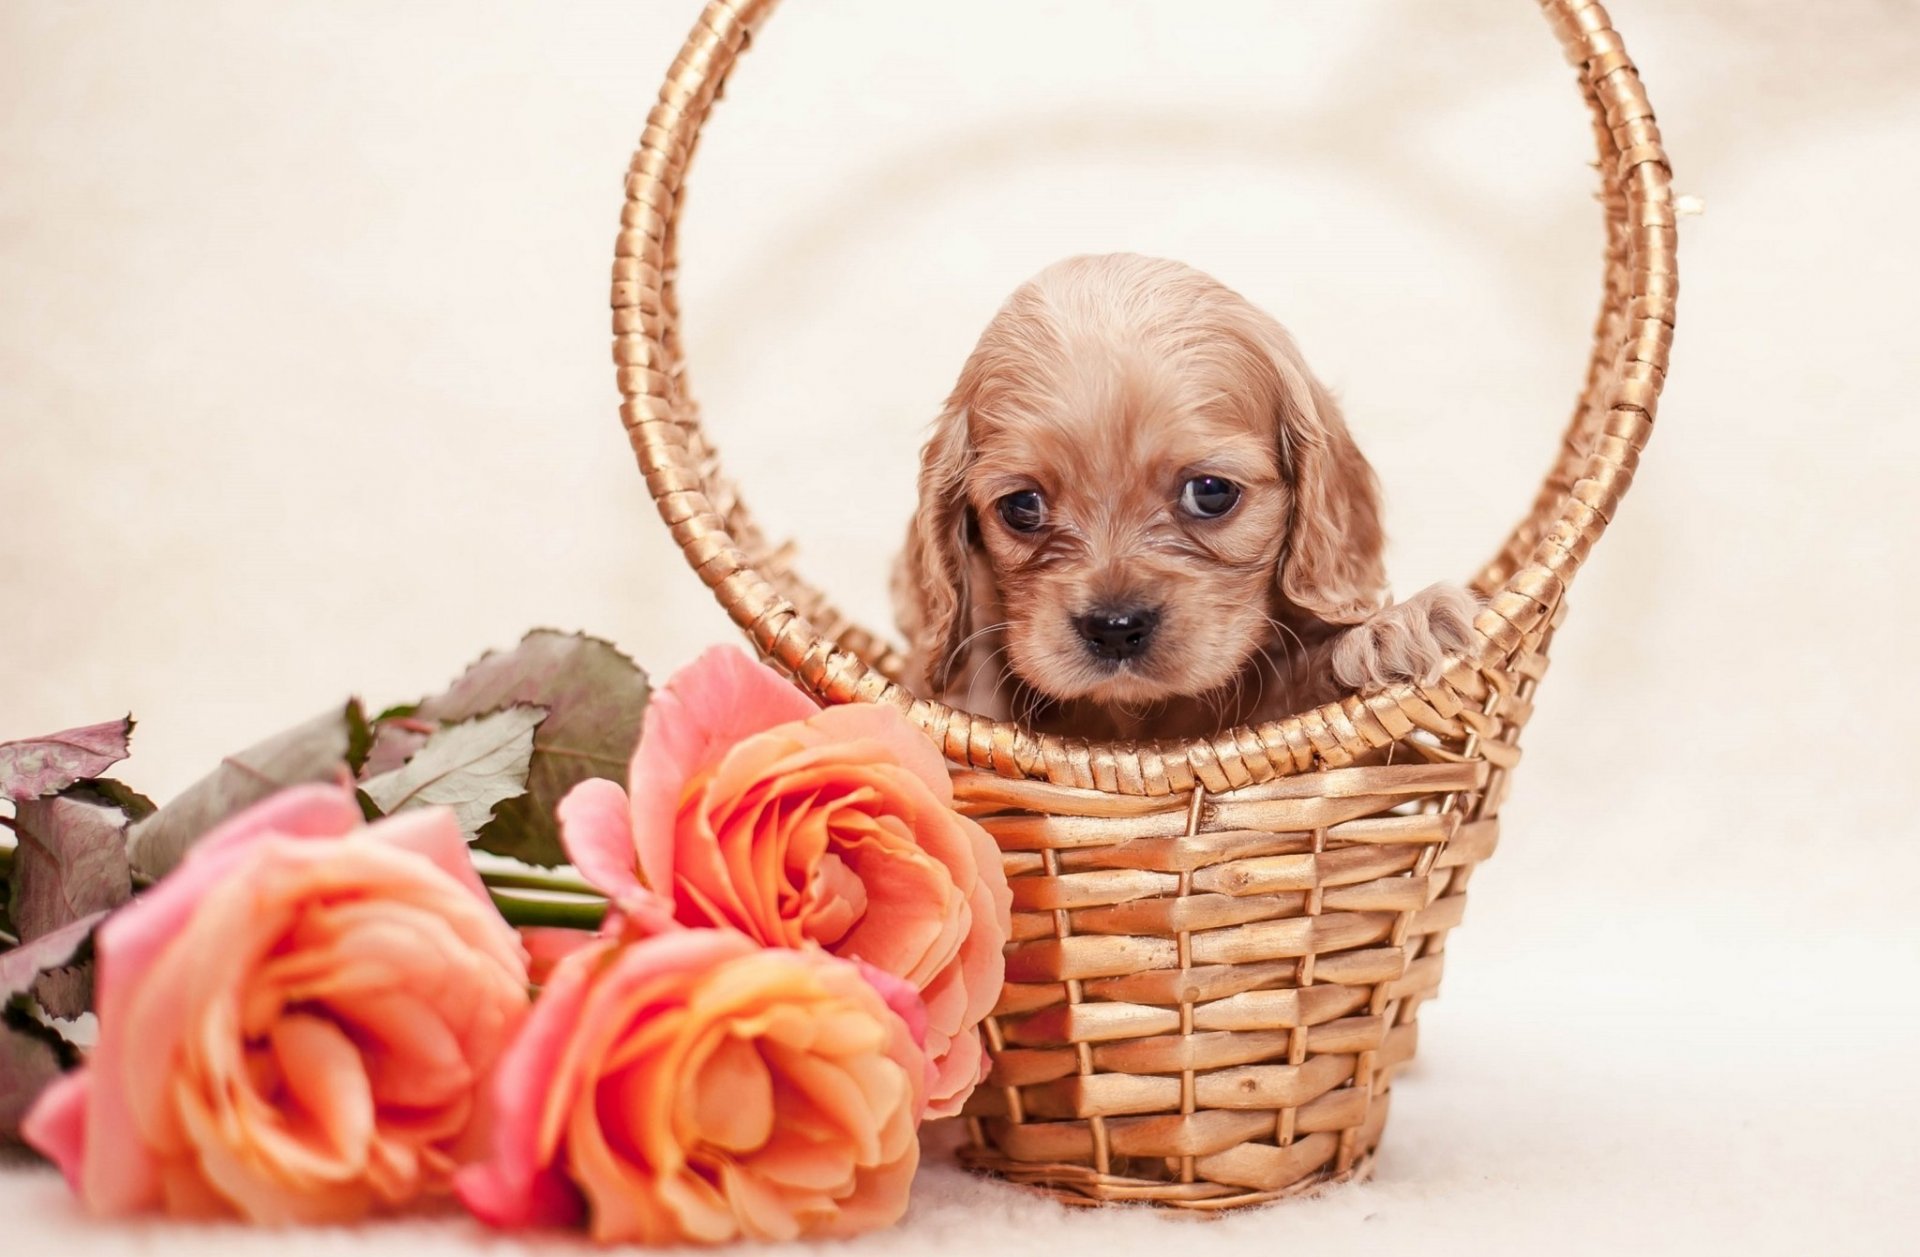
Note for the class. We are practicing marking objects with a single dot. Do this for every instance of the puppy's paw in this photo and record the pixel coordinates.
(1408, 641)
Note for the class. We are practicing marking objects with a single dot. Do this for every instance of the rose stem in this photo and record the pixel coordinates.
(572, 915)
(514, 879)
(519, 910)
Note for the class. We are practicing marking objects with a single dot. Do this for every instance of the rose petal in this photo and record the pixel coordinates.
(960, 1065)
(312, 811)
(763, 1215)
(709, 1090)
(221, 1082)
(829, 1088)
(433, 832)
(797, 1160)
(323, 1074)
(900, 740)
(412, 1057)
(508, 1190)
(501, 1199)
(596, 830)
(119, 1174)
(900, 997)
(732, 1098)
(56, 1124)
(547, 945)
(240, 1180)
(716, 701)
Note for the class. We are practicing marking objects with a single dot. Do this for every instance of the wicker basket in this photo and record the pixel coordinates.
(1219, 945)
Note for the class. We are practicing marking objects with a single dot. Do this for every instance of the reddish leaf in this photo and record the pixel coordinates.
(72, 861)
(318, 750)
(31, 1057)
(36, 767)
(66, 991)
(394, 743)
(19, 966)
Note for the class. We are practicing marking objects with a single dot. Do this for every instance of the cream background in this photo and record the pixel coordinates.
(304, 391)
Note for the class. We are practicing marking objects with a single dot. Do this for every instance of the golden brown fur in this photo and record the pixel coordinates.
(1101, 391)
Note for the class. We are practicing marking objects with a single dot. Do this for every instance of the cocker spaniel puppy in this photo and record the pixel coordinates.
(1142, 516)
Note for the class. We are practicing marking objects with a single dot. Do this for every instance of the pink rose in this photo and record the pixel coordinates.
(694, 1086)
(295, 1025)
(751, 808)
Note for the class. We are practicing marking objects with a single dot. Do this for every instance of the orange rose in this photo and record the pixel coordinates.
(295, 1025)
(695, 1086)
(751, 808)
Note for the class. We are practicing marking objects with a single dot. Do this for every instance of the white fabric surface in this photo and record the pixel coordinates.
(303, 341)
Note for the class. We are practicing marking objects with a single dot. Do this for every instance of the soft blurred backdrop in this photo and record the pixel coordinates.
(305, 391)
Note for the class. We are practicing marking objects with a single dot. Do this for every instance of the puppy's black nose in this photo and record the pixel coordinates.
(1117, 634)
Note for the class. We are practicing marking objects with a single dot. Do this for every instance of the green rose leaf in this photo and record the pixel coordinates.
(471, 767)
(595, 698)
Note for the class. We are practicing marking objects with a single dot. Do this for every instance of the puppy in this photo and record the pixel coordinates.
(1141, 516)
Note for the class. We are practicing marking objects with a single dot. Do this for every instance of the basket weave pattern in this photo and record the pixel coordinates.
(1207, 995)
(1220, 945)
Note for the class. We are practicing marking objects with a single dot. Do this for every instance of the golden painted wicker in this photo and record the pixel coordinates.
(1219, 945)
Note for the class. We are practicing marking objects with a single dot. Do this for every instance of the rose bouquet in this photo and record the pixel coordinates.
(330, 979)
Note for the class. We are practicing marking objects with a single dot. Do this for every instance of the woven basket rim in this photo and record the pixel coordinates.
(794, 627)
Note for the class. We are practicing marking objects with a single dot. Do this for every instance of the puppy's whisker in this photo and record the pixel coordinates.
(998, 652)
(977, 634)
(1285, 631)
(1264, 663)
(1245, 695)
(1028, 707)
(1282, 631)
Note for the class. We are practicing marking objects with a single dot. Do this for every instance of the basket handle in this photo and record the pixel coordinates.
(792, 626)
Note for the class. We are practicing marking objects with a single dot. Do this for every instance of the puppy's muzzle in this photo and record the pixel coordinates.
(1117, 635)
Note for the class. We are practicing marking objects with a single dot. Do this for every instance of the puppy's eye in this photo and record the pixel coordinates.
(1209, 497)
(1024, 511)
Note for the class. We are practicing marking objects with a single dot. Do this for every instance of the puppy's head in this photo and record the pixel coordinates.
(1140, 464)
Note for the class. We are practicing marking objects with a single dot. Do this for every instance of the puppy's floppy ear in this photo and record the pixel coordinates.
(1333, 565)
(935, 594)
